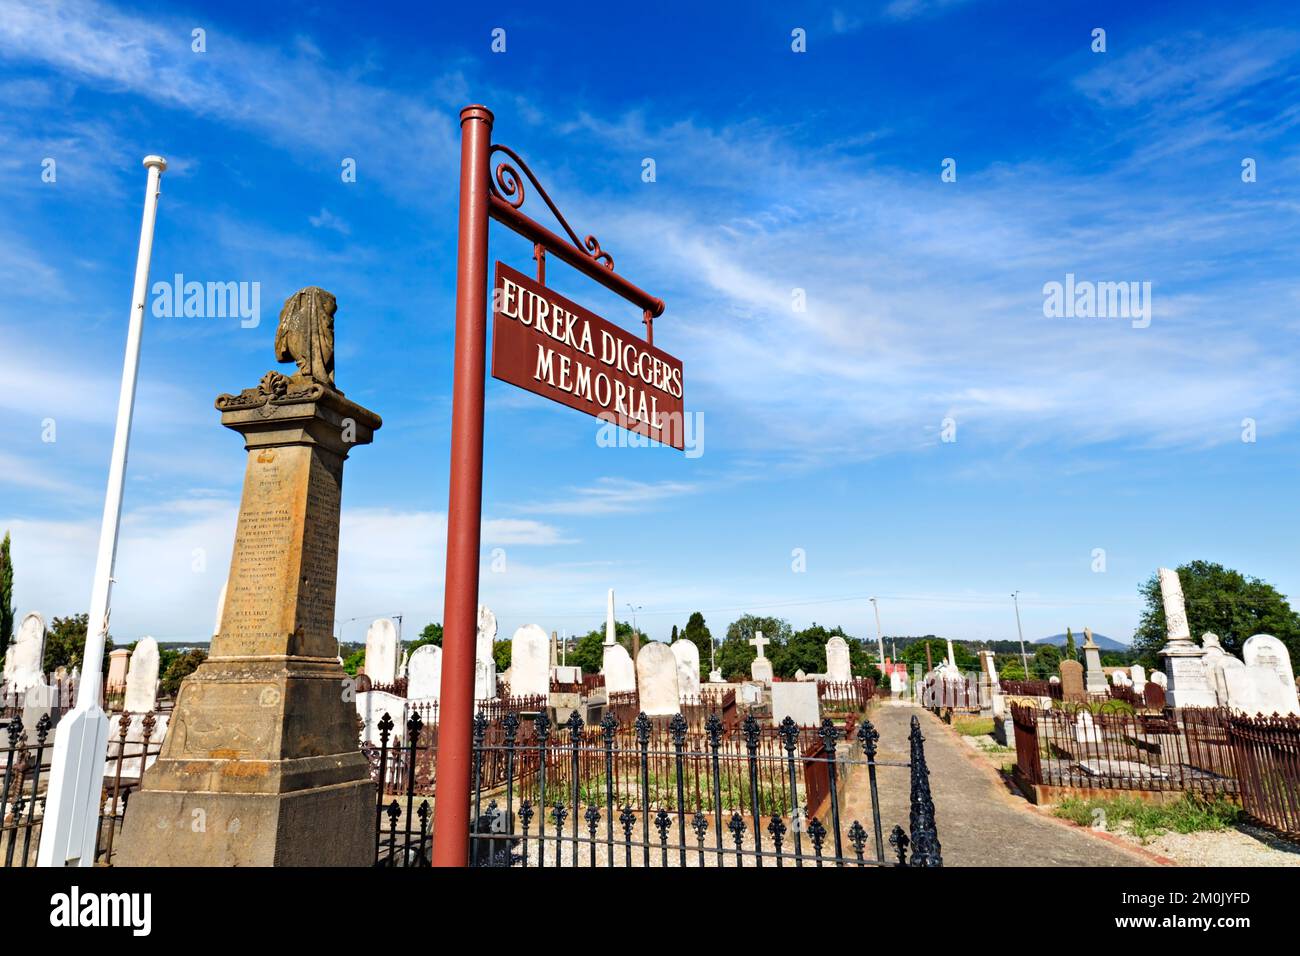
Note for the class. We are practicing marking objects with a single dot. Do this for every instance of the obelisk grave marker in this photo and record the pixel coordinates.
(262, 746)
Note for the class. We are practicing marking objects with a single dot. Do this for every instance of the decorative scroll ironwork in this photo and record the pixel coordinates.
(508, 186)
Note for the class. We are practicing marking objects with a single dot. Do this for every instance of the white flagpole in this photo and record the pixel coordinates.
(77, 769)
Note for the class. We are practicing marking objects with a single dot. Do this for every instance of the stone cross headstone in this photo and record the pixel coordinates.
(838, 667)
(142, 678)
(530, 662)
(761, 668)
(381, 652)
(1072, 686)
(797, 700)
(1269, 663)
(687, 655)
(25, 658)
(261, 740)
(485, 665)
(424, 673)
(656, 675)
(1184, 665)
(1095, 677)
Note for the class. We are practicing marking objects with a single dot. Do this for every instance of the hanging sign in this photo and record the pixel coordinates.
(547, 344)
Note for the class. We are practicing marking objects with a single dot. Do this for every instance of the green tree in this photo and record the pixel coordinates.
(735, 654)
(354, 662)
(180, 667)
(6, 596)
(432, 634)
(65, 643)
(1221, 601)
(697, 632)
(1071, 649)
(589, 652)
(501, 654)
(1045, 662)
(914, 654)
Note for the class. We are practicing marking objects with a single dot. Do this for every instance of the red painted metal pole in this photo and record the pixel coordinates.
(465, 504)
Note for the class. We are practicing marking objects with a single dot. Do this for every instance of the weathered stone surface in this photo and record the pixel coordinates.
(688, 667)
(1094, 676)
(530, 662)
(1184, 666)
(118, 658)
(142, 678)
(760, 669)
(797, 700)
(261, 738)
(838, 667)
(1269, 663)
(656, 675)
(25, 658)
(485, 667)
(424, 673)
(620, 673)
(1072, 687)
(381, 652)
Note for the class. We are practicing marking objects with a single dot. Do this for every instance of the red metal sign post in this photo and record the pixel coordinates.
(479, 200)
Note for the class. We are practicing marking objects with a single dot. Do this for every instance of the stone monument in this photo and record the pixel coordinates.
(688, 667)
(530, 662)
(1269, 664)
(261, 739)
(760, 669)
(142, 678)
(25, 657)
(656, 676)
(1094, 675)
(485, 665)
(838, 668)
(424, 673)
(1184, 663)
(1072, 688)
(117, 662)
(381, 652)
(616, 663)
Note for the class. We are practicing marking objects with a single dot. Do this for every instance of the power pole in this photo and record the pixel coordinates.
(1024, 659)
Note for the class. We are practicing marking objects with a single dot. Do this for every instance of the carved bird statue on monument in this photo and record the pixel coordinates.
(306, 336)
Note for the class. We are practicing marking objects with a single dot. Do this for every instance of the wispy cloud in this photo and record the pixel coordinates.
(612, 496)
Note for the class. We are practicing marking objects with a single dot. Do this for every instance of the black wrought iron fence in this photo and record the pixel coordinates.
(656, 794)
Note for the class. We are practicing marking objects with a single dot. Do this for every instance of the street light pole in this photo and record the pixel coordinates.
(1024, 659)
(880, 640)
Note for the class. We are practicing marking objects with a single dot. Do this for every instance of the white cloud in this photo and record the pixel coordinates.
(612, 496)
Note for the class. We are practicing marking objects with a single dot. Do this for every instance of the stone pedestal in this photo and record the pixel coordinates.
(1189, 684)
(261, 766)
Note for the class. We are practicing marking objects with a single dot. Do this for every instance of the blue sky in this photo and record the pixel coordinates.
(775, 171)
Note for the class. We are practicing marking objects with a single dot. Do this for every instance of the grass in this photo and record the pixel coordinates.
(1192, 813)
(973, 726)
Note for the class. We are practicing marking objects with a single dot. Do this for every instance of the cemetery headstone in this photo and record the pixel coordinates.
(761, 668)
(1072, 686)
(261, 740)
(838, 667)
(1138, 676)
(530, 662)
(1269, 663)
(1095, 677)
(25, 658)
(656, 675)
(797, 701)
(142, 678)
(688, 667)
(424, 673)
(382, 652)
(485, 666)
(117, 662)
(1188, 685)
(1160, 679)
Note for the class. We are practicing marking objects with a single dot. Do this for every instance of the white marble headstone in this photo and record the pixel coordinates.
(1269, 663)
(619, 671)
(26, 656)
(838, 667)
(1138, 675)
(688, 667)
(381, 652)
(485, 666)
(656, 676)
(1159, 677)
(424, 673)
(530, 662)
(797, 700)
(142, 678)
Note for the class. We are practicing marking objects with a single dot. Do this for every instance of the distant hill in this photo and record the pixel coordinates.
(1101, 640)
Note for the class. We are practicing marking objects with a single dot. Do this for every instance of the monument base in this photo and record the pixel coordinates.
(1189, 685)
(327, 826)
